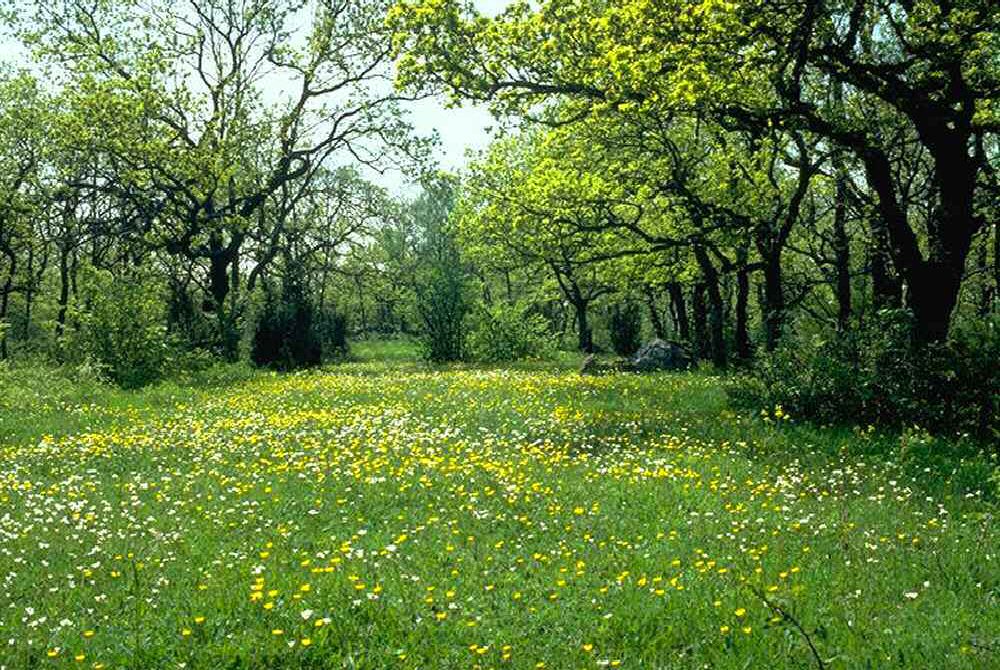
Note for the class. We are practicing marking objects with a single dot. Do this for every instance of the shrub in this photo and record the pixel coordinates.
(123, 329)
(440, 275)
(441, 300)
(285, 337)
(187, 322)
(625, 328)
(880, 376)
(508, 332)
(331, 331)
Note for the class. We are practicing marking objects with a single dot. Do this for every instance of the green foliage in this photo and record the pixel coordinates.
(881, 376)
(189, 324)
(504, 332)
(625, 328)
(443, 305)
(122, 327)
(638, 502)
(440, 276)
(286, 336)
(331, 331)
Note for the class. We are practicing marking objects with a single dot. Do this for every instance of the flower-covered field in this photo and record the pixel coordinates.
(386, 516)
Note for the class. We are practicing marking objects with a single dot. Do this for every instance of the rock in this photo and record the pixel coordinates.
(592, 366)
(661, 355)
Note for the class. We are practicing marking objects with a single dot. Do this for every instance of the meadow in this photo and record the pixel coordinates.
(383, 514)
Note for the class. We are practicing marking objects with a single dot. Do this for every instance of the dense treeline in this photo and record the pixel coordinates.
(176, 173)
(807, 186)
(803, 190)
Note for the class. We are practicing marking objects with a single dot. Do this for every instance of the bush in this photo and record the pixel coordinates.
(123, 329)
(625, 328)
(331, 331)
(508, 332)
(880, 376)
(443, 305)
(285, 337)
(187, 322)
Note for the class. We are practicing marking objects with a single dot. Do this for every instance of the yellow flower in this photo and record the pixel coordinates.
(305, 642)
(741, 611)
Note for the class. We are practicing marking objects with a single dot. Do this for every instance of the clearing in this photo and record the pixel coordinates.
(381, 514)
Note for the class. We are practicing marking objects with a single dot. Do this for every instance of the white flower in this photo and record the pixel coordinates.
(911, 594)
(306, 614)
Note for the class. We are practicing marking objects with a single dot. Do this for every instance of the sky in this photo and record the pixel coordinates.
(460, 130)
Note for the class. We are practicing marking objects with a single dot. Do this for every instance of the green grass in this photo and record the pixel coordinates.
(400, 516)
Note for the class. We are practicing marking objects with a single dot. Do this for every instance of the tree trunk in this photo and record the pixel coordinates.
(774, 300)
(986, 288)
(932, 294)
(933, 283)
(887, 291)
(716, 324)
(361, 304)
(654, 313)
(842, 250)
(679, 310)
(223, 281)
(996, 263)
(29, 291)
(742, 333)
(218, 278)
(64, 279)
(584, 335)
(700, 321)
(716, 319)
(5, 303)
(841, 243)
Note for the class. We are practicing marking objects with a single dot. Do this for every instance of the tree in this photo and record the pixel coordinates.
(439, 277)
(920, 65)
(173, 96)
(21, 130)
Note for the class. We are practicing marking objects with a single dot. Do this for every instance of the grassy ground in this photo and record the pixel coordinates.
(380, 514)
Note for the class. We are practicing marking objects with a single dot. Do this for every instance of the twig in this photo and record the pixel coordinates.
(787, 616)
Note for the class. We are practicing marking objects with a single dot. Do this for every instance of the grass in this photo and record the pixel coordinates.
(382, 514)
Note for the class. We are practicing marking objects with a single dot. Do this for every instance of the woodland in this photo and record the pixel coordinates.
(277, 389)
